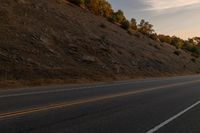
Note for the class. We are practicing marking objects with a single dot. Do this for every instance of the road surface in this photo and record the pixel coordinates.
(162, 105)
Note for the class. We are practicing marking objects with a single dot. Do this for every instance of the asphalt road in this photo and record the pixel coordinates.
(165, 105)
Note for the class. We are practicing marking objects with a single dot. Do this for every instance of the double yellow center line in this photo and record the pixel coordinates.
(85, 101)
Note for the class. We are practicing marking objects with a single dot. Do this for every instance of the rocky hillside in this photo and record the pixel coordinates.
(53, 40)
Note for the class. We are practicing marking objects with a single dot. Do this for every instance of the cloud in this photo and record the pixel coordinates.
(160, 5)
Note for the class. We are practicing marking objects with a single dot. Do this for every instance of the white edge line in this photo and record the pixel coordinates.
(156, 128)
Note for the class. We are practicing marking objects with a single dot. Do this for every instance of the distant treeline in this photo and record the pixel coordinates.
(104, 8)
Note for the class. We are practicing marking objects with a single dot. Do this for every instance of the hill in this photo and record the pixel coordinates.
(53, 41)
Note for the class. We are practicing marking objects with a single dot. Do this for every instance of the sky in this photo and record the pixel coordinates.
(171, 17)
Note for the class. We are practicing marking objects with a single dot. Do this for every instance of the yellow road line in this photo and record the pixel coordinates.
(85, 101)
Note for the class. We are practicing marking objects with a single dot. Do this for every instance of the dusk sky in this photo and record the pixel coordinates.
(172, 17)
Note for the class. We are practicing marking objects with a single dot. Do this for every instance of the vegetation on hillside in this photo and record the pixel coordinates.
(54, 41)
(104, 8)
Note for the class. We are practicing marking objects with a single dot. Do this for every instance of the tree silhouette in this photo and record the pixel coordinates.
(145, 27)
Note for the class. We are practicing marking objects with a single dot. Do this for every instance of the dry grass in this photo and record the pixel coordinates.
(44, 42)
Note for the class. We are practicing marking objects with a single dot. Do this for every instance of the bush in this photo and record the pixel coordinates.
(78, 2)
(193, 60)
(102, 25)
(195, 51)
(198, 71)
(130, 32)
(177, 52)
(164, 38)
(154, 37)
(188, 46)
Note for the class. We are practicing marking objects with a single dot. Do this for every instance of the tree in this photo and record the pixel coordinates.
(125, 24)
(118, 17)
(188, 45)
(133, 24)
(105, 9)
(177, 42)
(196, 40)
(145, 27)
(191, 40)
(99, 7)
(92, 5)
(195, 51)
(164, 38)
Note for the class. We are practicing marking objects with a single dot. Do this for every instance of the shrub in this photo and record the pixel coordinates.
(102, 25)
(193, 60)
(150, 43)
(188, 46)
(164, 38)
(198, 71)
(78, 2)
(195, 51)
(177, 52)
(154, 36)
(130, 32)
